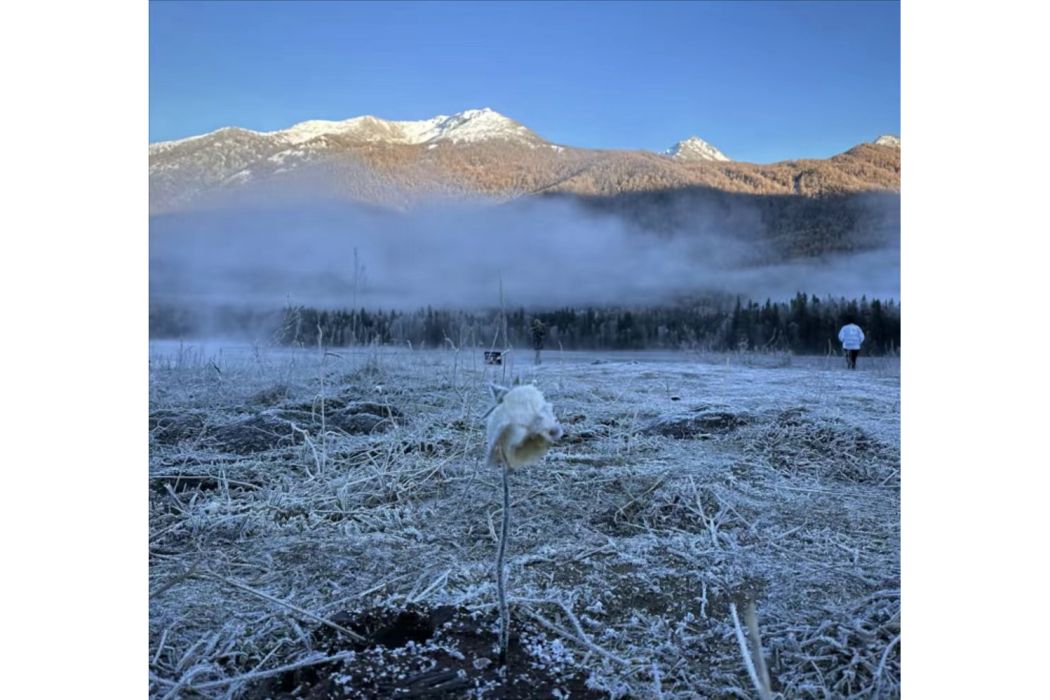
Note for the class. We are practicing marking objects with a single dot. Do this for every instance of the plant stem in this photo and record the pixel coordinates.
(501, 574)
(763, 691)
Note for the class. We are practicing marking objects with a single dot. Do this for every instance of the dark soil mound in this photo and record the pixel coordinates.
(168, 427)
(256, 434)
(700, 426)
(355, 423)
(348, 420)
(276, 429)
(378, 409)
(334, 404)
(270, 396)
(418, 652)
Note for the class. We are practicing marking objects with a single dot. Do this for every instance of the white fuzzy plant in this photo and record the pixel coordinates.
(520, 429)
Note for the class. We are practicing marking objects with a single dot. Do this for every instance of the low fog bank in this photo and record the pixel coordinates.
(546, 252)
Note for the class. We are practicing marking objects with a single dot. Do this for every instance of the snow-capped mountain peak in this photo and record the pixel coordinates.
(469, 126)
(695, 148)
(472, 125)
(888, 140)
(480, 125)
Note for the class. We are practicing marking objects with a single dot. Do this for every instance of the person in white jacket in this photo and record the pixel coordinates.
(851, 337)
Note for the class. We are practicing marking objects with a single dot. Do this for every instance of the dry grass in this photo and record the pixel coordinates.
(628, 546)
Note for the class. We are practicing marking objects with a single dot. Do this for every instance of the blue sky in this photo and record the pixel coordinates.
(761, 81)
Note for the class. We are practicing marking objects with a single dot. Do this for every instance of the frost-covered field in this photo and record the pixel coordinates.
(321, 525)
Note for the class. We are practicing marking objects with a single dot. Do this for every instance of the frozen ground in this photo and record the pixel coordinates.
(321, 525)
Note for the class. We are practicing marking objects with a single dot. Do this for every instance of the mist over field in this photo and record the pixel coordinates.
(548, 252)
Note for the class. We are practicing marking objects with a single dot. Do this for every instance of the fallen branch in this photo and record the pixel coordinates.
(294, 608)
(437, 582)
(176, 580)
(259, 675)
(572, 637)
(882, 666)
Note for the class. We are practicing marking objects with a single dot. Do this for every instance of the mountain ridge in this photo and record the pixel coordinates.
(475, 153)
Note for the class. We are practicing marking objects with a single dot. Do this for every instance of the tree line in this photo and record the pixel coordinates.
(804, 324)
